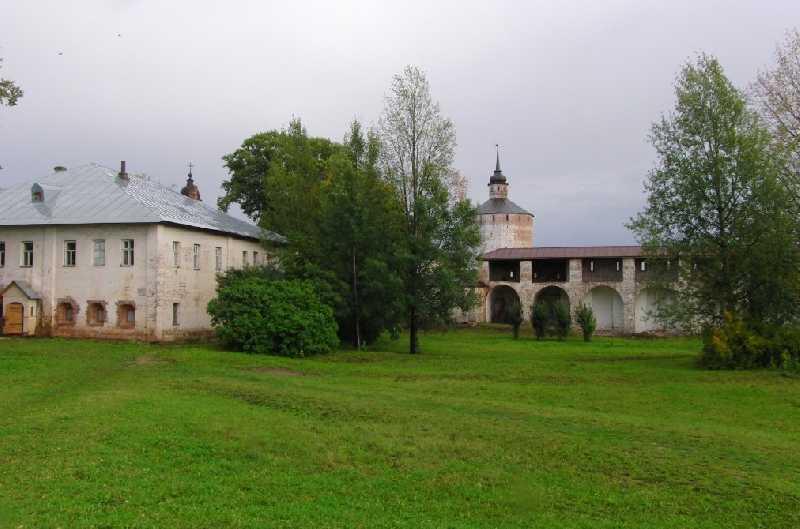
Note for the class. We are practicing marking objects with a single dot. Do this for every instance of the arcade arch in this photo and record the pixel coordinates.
(606, 303)
(500, 299)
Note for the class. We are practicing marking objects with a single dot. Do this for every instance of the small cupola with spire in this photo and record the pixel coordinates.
(498, 187)
(191, 190)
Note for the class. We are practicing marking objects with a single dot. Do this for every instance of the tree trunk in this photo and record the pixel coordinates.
(414, 332)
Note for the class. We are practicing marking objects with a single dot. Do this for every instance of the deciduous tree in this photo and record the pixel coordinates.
(275, 176)
(715, 199)
(9, 91)
(438, 249)
(776, 95)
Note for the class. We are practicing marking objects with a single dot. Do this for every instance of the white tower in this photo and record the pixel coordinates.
(503, 223)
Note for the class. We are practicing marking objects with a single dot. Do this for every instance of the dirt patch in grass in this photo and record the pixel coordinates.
(278, 371)
(147, 360)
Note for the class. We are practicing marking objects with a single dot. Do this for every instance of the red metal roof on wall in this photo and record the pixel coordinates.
(562, 252)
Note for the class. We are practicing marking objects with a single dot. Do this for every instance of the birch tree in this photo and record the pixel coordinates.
(440, 236)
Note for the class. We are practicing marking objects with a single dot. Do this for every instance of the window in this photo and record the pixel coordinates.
(70, 248)
(99, 252)
(175, 311)
(619, 265)
(27, 253)
(196, 256)
(591, 266)
(2, 254)
(255, 258)
(37, 193)
(126, 314)
(218, 258)
(643, 265)
(176, 254)
(127, 252)
(96, 313)
(244, 258)
(65, 312)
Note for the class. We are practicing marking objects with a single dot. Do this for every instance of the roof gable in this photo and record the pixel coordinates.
(23, 287)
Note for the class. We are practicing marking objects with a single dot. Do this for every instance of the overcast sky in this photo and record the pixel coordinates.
(568, 89)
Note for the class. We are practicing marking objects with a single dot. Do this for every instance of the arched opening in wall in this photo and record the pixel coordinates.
(550, 296)
(66, 312)
(649, 303)
(96, 314)
(500, 299)
(126, 314)
(606, 303)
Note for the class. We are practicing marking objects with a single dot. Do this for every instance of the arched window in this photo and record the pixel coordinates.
(37, 193)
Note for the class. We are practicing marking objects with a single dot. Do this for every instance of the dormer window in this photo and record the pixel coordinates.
(37, 194)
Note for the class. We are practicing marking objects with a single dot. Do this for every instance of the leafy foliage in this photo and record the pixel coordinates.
(274, 177)
(540, 316)
(715, 200)
(584, 316)
(254, 314)
(438, 250)
(9, 92)
(516, 317)
(737, 345)
(776, 95)
(352, 249)
(562, 319)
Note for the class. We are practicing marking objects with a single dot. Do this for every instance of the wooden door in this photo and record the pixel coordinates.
(13, 324)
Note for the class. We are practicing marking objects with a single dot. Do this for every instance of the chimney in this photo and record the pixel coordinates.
(122, 174)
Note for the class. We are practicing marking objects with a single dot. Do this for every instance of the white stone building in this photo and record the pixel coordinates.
(609, 279)
(93, 253)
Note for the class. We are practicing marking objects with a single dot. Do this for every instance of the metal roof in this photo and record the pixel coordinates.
(501, 205)
(562, 252)
(93, 194)
(25, 287)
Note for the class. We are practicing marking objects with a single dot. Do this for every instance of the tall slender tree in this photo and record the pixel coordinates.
(716, 201)
(776, 95)
(438, 251)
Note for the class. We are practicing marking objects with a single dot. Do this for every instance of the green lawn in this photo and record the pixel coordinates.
(477, 431)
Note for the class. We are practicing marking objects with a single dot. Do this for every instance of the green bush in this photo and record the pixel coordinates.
(254, 314)
(584, 315)
(540, 314)
(562, 319)
(515, 317)
(737, 345)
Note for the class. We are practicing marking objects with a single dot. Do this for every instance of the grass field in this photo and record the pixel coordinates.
(477, 431)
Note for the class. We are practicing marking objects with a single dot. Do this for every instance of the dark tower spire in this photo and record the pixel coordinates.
(497, 177)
